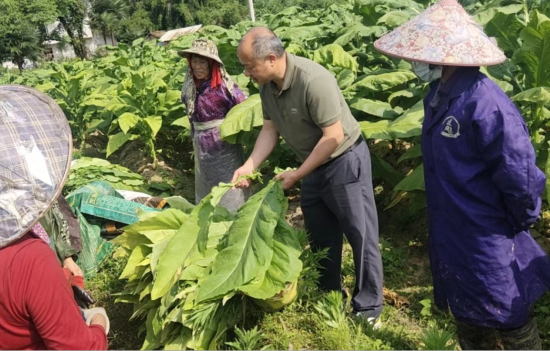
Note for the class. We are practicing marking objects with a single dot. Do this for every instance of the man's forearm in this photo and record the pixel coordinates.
(322, 151)
(266, 142)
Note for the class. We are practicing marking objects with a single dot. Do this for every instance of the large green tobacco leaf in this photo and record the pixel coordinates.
(151, 341)
(534, 53)
(504, 85)
(334, 55)
(506, 29)
(297, 50)
(127, 121)
(242, 81)
(155, 226)
(373, 10)
(376, 108)
(301, 34)
(116, 141)
(410, 123)
(345, 78)
(171, 260)
(382, 5)
(376, 130)
(383, 170)
(136, 257)
(407, 98)
(414, 181)
(154, 123)
(180, 342)
(413, 152)
(211, 324)
(382, 82)
(182, 122)
(249, 247)
(396, 18)
(539, 95)
(358, 30)
(407, 125)
(285, 265)
(86, 169)
(216, 227)
(292, 11)
(158, 249)
(215, 198)
(243, 117)
(299, 22)
(484, 15)
(506, 71)
(117, 105)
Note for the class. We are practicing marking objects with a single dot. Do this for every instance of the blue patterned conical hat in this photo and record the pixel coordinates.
(35, 155)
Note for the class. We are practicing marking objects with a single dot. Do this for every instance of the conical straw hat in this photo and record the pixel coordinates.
(35, 155)
(444, 34)
(203, 47)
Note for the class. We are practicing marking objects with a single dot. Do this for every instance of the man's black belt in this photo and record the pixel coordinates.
(357, 143)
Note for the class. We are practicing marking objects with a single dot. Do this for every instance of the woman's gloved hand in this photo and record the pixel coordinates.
(82, 297)
(98, 316)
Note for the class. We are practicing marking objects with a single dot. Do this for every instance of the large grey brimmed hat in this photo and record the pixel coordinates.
(35, 155)
(202, 47)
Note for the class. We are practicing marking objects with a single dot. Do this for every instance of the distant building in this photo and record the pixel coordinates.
(11, 65)
(156, 35)
(54, 51)
(93, 39)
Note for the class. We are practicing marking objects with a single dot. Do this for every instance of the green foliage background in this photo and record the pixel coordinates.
(132, 92)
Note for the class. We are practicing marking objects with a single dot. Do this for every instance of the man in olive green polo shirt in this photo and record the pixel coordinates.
(301, 102)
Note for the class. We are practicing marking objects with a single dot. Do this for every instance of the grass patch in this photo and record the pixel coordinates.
(124, 333)
(542, 313)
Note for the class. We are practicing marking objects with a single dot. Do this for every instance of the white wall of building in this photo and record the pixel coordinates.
(94, 40)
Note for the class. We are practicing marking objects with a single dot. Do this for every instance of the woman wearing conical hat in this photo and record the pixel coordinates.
(482, 185)
(37, 304)
(209, 93)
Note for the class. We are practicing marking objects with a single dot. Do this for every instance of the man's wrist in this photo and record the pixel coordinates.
(250, 164)
(300, 173)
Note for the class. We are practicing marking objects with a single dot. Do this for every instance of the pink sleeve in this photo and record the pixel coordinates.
(51, 305)
(239, 95)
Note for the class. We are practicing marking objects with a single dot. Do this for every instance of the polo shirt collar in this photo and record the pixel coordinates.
(289, 75)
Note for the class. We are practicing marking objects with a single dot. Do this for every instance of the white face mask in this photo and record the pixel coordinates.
(424, 72)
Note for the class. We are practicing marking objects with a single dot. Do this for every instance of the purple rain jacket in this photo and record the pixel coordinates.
(483, 192)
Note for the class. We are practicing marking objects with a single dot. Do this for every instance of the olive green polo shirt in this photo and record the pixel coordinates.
(310, 99)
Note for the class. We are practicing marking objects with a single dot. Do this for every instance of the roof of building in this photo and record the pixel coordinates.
(157, 34)
(176, 33)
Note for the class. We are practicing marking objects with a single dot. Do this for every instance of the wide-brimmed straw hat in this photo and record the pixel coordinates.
(35, 155)
(444, 34)
(202, 47)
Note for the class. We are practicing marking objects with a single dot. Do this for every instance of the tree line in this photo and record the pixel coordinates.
(24, 23)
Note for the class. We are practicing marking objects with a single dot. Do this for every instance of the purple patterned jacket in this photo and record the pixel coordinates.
(212, 104)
